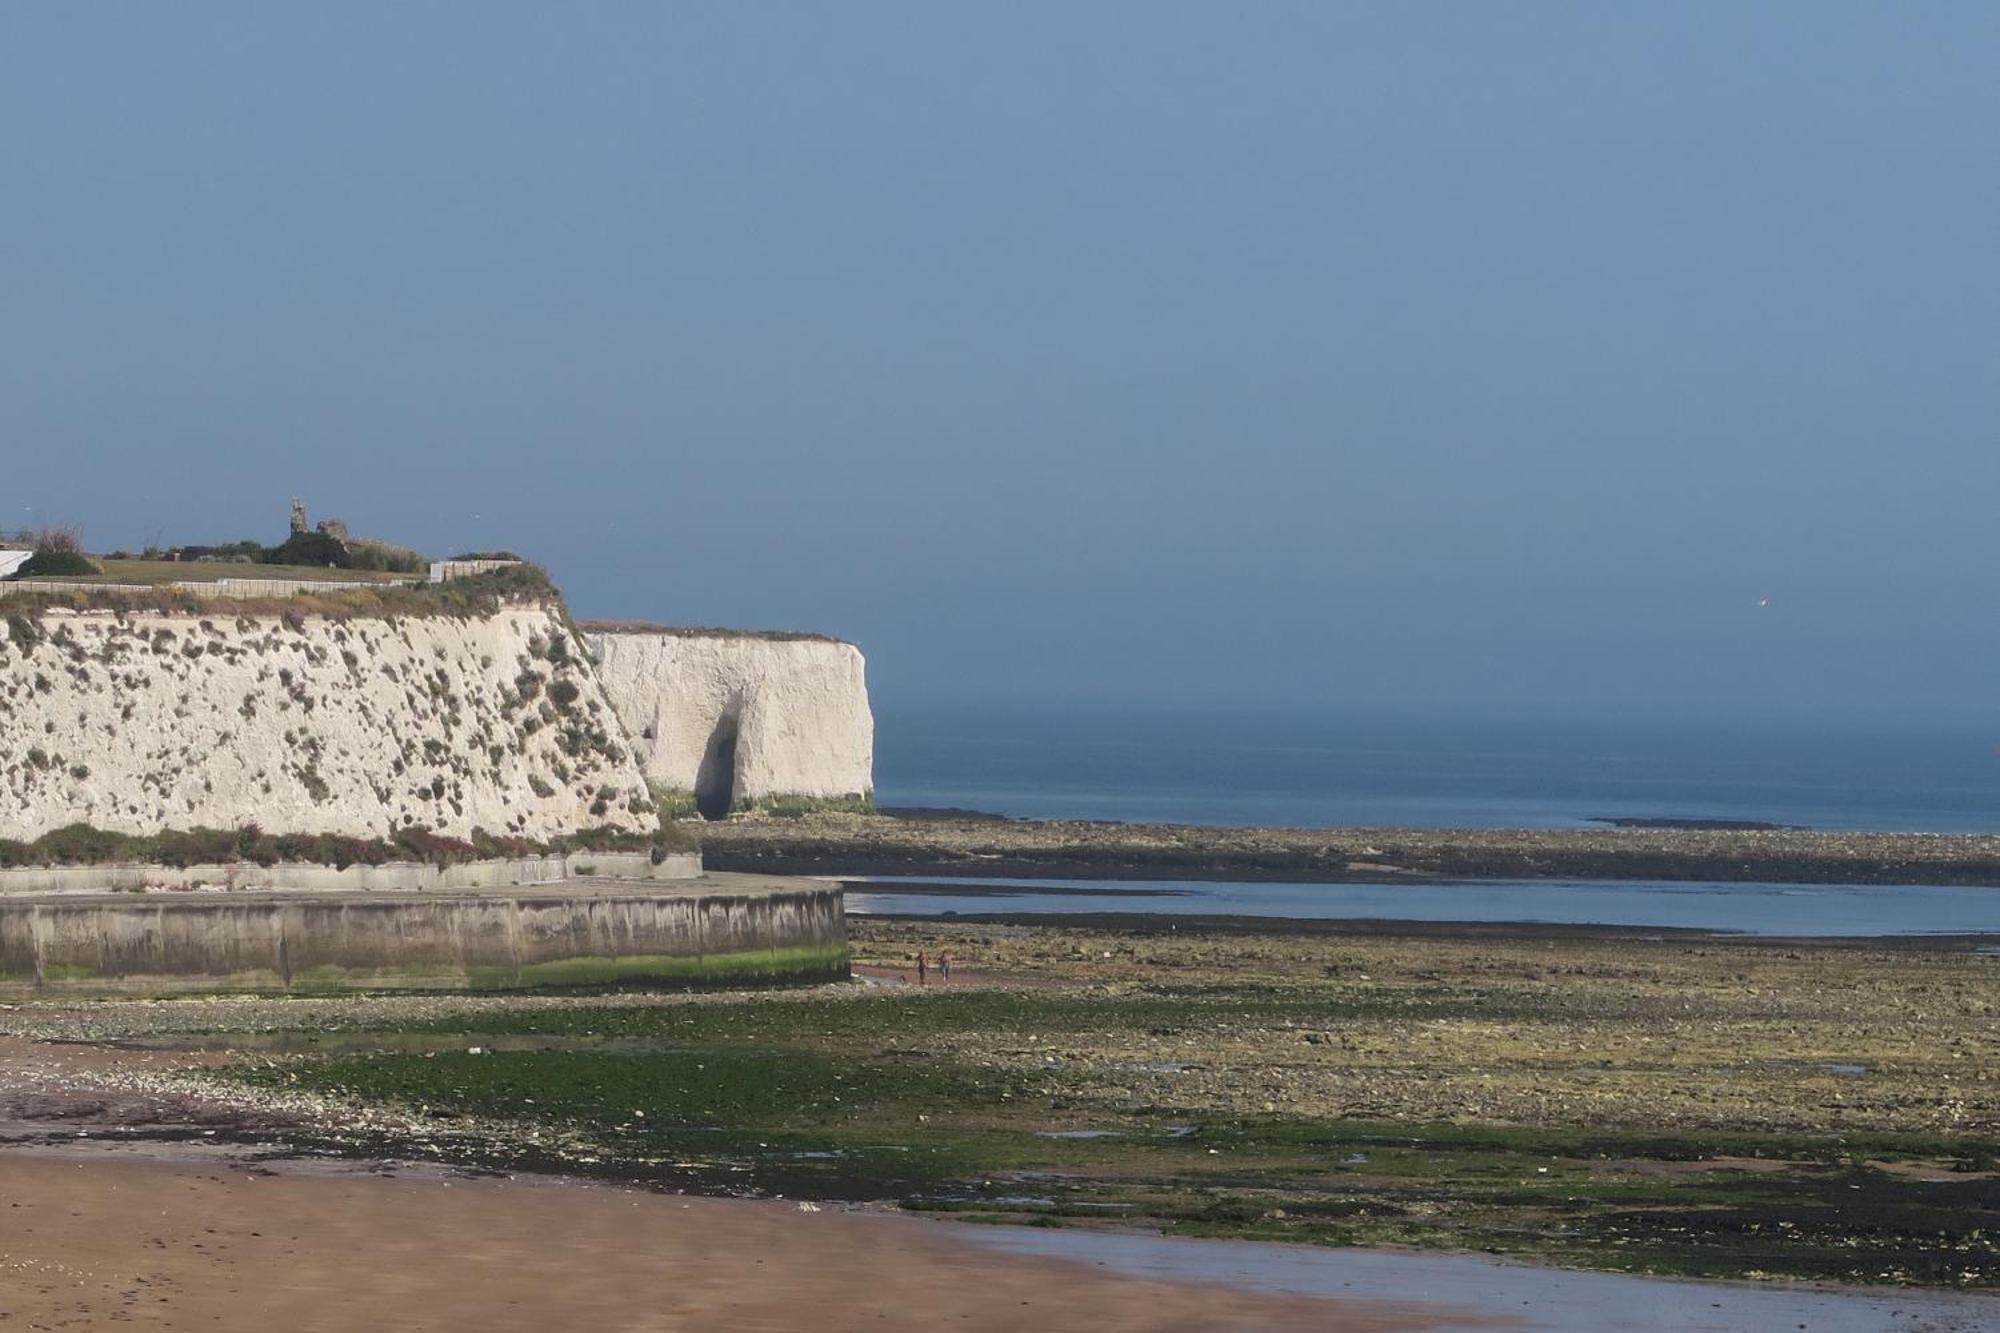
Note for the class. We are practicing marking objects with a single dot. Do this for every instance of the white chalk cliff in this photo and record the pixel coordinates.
(145, 721)
(737, 719)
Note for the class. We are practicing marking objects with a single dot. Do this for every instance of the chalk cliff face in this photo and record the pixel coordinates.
(737, 720)
(146, 721)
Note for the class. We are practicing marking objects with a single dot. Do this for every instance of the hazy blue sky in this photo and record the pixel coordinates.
(1473, 356)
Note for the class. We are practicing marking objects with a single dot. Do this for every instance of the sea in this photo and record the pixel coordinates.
(1323, 770)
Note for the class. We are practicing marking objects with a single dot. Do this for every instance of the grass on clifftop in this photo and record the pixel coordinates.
(370, 598)
(208, 571)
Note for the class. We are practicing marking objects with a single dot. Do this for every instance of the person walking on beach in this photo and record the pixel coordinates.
(944, 968)
(923, 969)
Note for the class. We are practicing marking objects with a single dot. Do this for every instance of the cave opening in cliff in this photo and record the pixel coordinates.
(715, 780)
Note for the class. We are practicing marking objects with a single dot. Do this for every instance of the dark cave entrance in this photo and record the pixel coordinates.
(715, 781)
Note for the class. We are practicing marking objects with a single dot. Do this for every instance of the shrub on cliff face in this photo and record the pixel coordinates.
(81, 844)
(671, 836)
(418, 843)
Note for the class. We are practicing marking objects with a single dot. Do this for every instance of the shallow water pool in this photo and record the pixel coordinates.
(1749, 908)
(1472, 1292)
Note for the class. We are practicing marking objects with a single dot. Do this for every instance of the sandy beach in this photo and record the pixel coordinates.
(93, 1239)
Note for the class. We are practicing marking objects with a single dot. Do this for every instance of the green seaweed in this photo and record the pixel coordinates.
(846, 1097)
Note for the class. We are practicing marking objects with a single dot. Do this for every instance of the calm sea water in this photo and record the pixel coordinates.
(1317, 771)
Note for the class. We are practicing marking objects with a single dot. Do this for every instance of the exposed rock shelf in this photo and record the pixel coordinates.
(877, 844)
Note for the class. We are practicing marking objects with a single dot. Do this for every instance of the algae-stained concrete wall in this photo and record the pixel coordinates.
(160, 945)
(144, 721)
(737, 719)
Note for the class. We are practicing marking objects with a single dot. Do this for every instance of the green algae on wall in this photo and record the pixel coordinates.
(792, 964)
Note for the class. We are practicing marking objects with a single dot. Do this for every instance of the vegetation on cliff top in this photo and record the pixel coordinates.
(329, 546)
(119, 569)
(305, 552)
(466, 598)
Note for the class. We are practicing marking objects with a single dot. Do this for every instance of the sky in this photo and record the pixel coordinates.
(1607, 359)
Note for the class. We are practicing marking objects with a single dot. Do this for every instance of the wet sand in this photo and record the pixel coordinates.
(1544, 1300)
(91, 1239)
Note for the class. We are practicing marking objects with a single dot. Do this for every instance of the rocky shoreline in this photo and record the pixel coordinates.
(959, 845)
(1735, 1108)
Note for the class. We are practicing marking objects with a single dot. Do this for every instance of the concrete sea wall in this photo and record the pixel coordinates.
(740, 719)
(725, 930)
